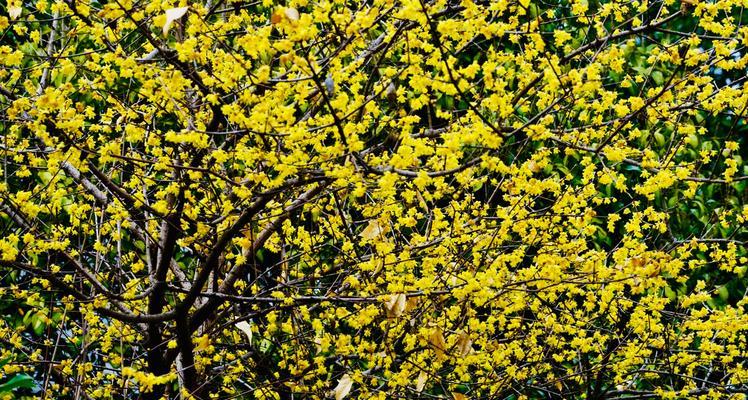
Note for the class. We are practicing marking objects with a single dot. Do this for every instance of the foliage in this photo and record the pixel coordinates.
(373, 199)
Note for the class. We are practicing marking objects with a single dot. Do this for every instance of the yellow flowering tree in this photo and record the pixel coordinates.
(510, 199)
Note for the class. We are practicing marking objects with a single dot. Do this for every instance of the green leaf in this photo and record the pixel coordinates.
(659, 138)
(657, 77)
(17, 382)
(45, 176)
(39, 326)
(723, 293)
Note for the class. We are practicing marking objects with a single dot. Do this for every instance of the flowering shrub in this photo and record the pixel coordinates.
(373, 199)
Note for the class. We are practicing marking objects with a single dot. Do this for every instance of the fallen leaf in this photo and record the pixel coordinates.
(464, 344)
(421, 381)
(318, 343)
(292, 14)
(344, 387)
(395, 305)
(172, 15)
(459, 396)
(373, 230)
(422, 201)
(14, 12)
(437, 342)
(533, 166)
(391, 93)
(411, 303)
(245, 327)
(288, 13)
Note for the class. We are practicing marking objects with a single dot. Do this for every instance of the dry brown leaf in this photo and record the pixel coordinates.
(344, 387)
(533, 166)
(373, 230)
(437, 342)
(464, 344)
(291, 13)
(395, 305)
(14, 12)
(391, 93)
(172, 15)
(411, 303)
(422, 201)
(421, 381)
(280, 14)
(245, 327)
